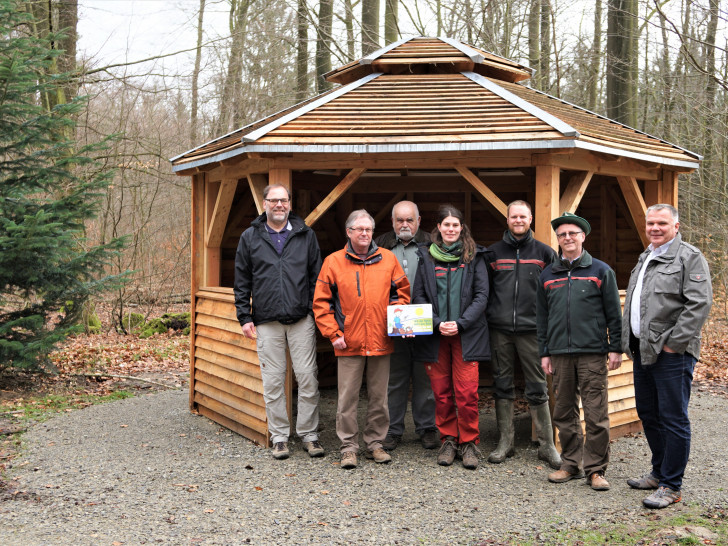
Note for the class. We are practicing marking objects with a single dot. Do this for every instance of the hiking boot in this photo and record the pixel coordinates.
(348, 459)
(430, 439)
(391, 441)
(563, 476)
(379, 455)
(598, 482)
(280, 450)
(504, 417)
(648, 481)
(315, 449)
(448, 449)
(662, 498)
(541, 418)
(470, 455)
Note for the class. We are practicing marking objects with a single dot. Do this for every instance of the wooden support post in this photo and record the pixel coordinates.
(635, 204)
(212, 254)
(284, 177)
(574, 191)
(653, 192)
(669, 193)
(221, 212)
(197, 273)
(546, 207)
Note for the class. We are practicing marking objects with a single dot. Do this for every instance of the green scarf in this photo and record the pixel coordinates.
(445, 253)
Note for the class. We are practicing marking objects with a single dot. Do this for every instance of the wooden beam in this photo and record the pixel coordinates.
(669, 188)
(197, 273)
(334, 195)
(257, 184)
(221, 212)
(574, 191)
(211, 254)
(483, 190)
(546, 207)
(635, 204)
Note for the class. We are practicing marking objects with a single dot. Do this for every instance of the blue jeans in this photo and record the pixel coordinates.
(662, 393)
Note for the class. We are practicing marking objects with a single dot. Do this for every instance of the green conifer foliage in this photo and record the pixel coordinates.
(48, 190)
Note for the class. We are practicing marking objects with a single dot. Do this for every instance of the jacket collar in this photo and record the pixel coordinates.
(373, 254)
(509, 239)
(389, 240)
(297, 223)
(668, 256)
(585, 260)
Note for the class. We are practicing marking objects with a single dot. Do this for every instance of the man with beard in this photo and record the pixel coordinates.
(403, 241)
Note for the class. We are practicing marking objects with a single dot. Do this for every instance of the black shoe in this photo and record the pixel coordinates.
(391, 441)
(430, 439)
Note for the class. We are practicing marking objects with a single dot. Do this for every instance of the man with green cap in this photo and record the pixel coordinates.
(578, 316)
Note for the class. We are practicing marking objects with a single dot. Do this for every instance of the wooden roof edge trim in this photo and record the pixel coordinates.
(636, 155)
(221, 156)
(551, 120)
(369, 59)
(262, 131)
(473, 55)
(694, 154)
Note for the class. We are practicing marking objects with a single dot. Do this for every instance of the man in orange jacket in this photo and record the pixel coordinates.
(354, 288)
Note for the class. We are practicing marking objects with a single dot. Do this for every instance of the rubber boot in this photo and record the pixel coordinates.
(504, 417)
(546, 449)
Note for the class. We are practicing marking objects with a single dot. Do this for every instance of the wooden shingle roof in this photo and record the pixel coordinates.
(431, 94)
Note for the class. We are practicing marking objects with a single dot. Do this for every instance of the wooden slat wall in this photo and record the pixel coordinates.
(227, 388)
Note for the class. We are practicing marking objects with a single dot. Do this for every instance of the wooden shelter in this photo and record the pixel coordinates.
(426, 119)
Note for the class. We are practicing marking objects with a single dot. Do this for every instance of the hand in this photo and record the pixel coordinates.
(667, 349)
(614, 361)
(449, 328)
(339, 343)
(249, 330)
(546, 365)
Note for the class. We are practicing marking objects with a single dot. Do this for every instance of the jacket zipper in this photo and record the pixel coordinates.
(448, 292)
(358, 286)
(515, 290)
(568, 312)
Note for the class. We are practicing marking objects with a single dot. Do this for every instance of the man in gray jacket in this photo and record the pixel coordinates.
(667, 302)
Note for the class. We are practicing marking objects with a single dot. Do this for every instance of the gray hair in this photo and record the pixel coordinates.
(664, 206)
(267, 189)
(410, 203)
(354, 216)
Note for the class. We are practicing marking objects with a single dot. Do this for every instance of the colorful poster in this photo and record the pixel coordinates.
(409, 320)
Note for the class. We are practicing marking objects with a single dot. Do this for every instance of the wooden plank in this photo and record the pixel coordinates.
(229, 399)
(230, 412)
(547, 203)
(246, 432)
(221, 212)
(622, 430)
(241, 362)
(228, 325)
(221, 293)
(280, 176)
(217, 308)
(483, 190)
(635, 203)
(242, 391)
(574, 191)
(335, 194)
(235, 339)
(257, 183)
(669, 188)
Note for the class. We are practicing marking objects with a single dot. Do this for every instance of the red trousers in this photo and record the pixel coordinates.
(455, 385)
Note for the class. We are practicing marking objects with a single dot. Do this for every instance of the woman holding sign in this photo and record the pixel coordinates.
(452, 276)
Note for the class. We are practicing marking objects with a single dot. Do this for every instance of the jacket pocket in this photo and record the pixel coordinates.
(667, 280)
(659, 329)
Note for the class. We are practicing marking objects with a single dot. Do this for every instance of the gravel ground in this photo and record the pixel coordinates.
(145, 470)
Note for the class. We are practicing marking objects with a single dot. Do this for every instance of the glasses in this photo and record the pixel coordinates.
(366, 230)
(571, 234)
(275, 201)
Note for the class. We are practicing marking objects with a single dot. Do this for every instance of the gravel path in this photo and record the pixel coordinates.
(145, 470)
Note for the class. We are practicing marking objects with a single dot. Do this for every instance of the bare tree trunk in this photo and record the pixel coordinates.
(301, 52)
(369, 26)
(391, 21)
(349, 24)
(534, 41)
(622, 59)
(596, 57)
(323, 43)
(545, 57)
(230, 112)
(196, 76)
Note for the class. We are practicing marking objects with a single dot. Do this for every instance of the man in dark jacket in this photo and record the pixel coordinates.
(667, 302)
(403, 370)
(516, 262)
(578, 319)
(277, 263)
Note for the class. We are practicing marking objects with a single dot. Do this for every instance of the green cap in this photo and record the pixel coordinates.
(568, 218)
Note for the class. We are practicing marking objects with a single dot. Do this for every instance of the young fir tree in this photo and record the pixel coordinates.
(47, 269)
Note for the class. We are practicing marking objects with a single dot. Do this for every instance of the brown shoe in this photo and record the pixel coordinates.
(447, 452)
(598, 482)
(469, 454)
(563, 476)
(348, 459)
(379, 455)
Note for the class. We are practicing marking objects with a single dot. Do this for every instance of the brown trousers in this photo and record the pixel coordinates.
(582, 376)
(350, 373)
